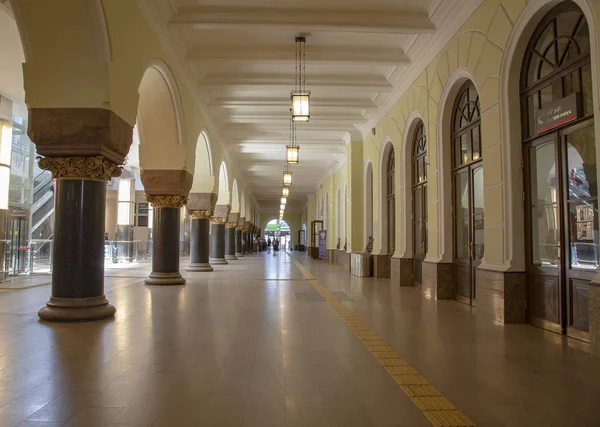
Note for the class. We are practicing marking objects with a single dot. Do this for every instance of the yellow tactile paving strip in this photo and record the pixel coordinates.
(436, 408)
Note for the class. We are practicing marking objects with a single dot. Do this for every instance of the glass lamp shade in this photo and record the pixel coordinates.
(287, 178)
(283, 200)
(285, 191)
(293, 152)
(300, 105)
(282, 207)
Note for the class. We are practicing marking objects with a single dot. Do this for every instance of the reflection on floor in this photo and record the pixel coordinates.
(256, 344)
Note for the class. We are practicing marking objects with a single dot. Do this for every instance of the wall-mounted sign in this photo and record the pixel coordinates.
(558, 113)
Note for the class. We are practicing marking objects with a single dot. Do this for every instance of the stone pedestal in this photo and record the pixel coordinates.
(401, 271)
(78, 243)
(230, 242)
(165, 244)
(199, 241)
(501, 296)
(381, 266)
(217, 242)
(438, 280)
(238, 242)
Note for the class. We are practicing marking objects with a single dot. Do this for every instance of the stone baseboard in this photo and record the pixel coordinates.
(501, 296)
(438, 280)
(594, 310)
(381, 266)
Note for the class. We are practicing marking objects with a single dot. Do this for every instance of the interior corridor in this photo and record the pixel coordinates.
(256, 344)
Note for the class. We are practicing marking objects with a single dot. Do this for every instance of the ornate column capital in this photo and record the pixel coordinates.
(200, 214)
(218, 220)
(230, 225)
(239, 228)
(89, 168)
(166, 200)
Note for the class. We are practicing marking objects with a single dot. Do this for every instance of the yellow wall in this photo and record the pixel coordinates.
(476, 52)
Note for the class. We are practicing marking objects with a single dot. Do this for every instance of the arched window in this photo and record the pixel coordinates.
(467, 172)
(560, 181)
(391, 202)
(419, 191)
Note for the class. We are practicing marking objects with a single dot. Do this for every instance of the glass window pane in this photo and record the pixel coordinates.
(476, 143)
(478, 191)
(478, 246)
(418, 204)
(586, 89)
(581, 164)
(464, 149)
(544, 232)
(542, 173)
(461, 186)
(583, 220)
(461, 227)
(546, 96)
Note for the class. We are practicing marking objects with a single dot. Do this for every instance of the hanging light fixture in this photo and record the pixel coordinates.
(293, 150)
(287, 178)
(285, 191)
(282, 207)
(300, 97)
(283, 200)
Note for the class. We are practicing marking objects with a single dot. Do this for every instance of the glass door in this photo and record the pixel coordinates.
(468, 230)
(581, 235)
(562, 208)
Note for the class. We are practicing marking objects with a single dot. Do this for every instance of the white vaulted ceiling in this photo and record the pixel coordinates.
(238, 56)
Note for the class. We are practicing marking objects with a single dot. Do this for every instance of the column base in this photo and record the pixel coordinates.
(231, 257)
(76, 309)
(203, 266)
(218, 261)
(164, 279)
(239, 255)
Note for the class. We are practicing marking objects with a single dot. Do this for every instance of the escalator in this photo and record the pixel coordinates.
(42, 209)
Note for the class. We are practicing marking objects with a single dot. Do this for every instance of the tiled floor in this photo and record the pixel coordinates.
(254, 344)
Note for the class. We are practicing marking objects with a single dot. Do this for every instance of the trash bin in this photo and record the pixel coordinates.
(360, 264)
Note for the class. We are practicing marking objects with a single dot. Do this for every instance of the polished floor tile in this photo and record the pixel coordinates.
(255, 344)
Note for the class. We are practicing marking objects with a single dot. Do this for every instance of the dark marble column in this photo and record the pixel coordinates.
(245, 242)
(217, 242)
(230, 242)
(199, 240)
(238, 242)
(165, 243)
(78, 243)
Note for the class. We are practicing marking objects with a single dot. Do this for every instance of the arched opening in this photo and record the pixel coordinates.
(280, 230)
(467, 178)
(368, 210)
(224, 197)
(560, 175)
(235, 198)
(204, 180)
(390, 201)
(419, 200)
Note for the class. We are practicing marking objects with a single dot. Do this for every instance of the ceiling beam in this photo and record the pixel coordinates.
(367, 83)
(292, 19)
(335, 119)
(249, 102)
(324, 55)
